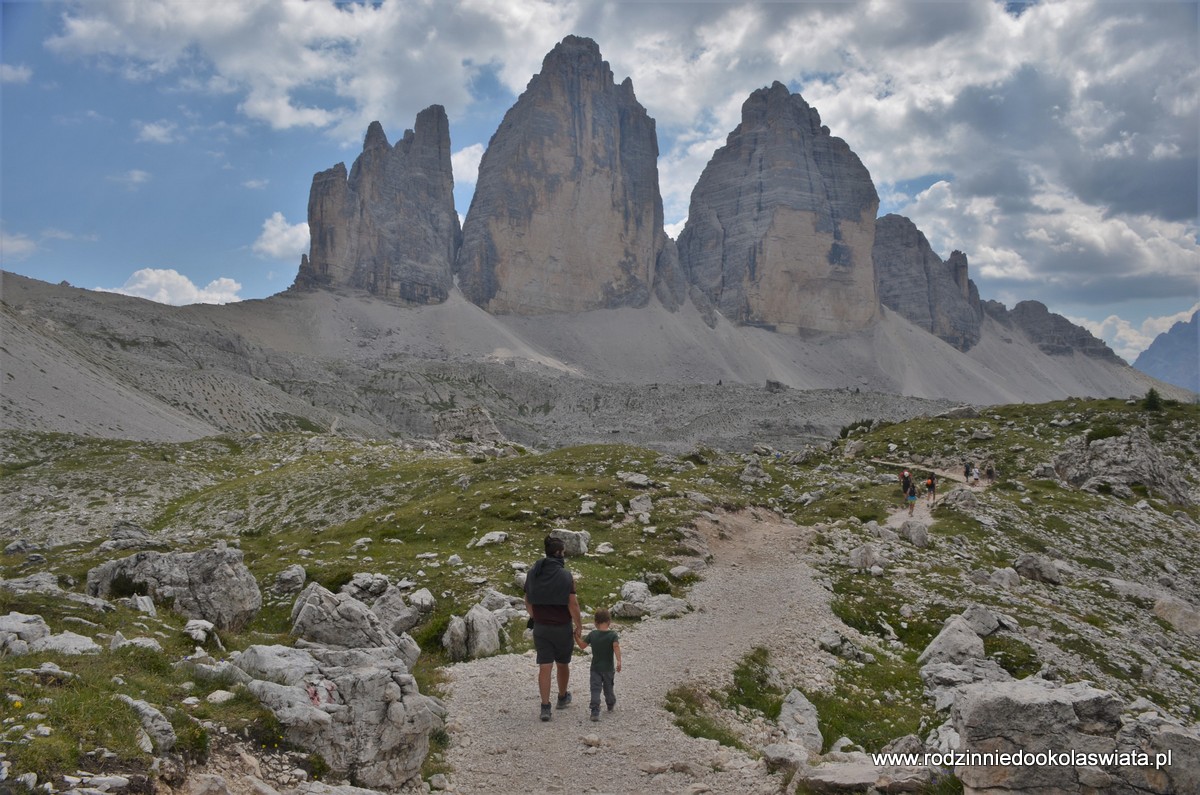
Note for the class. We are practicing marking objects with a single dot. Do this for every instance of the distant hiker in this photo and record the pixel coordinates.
(905, 482)
(553, 607)
(975, 476)
(966, 471)
(931, 487)
(991, 472)
(605, 649)
(912, 497)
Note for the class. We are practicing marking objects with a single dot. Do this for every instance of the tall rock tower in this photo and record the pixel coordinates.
(782, 222)
(390, 227)
(567, 215)
(914, 282)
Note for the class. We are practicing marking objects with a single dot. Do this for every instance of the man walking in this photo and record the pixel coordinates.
(551, 602)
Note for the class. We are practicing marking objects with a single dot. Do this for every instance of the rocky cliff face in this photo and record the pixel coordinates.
(567, 215)
(1174, 356)
(913, 281)
(1053, 334)
(390, 226)
(782, 223)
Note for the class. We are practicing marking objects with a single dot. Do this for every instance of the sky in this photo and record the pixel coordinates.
(165, 148)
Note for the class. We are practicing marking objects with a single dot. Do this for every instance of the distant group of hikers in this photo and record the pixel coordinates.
(910, 489)
(971, 473)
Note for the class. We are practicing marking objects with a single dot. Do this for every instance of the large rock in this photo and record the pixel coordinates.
(1038, 568)
(359, 709)
(1032, 716)
(213, 584)
(799, 720)
(339, 620)
(18, 631)
(483, 632)
(575, 541)
(567, 215)
(914, 282)
(956, 643)
(390, 227)
(782, 223)
(1129, 459)
(394, 612)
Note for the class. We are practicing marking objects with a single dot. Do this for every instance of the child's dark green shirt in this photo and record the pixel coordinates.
(601, 641)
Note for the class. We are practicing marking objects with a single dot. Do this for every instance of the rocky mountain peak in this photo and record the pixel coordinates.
(782, 222)
(376, 138)
(1174, 356)
(567, 215)
(390, 226)
(1053, 333)
(914, 282)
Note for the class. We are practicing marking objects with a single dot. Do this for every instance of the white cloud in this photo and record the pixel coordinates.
(14, 247)
(15, 74)
(1129, 340)
(465, 163)
(280, 240)
(167, 286)
(157, 132)
(256, 184)
(132, 179)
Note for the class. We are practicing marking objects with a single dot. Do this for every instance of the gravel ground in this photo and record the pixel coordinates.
(758, 592)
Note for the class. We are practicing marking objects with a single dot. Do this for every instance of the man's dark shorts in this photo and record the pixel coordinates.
(553, 642)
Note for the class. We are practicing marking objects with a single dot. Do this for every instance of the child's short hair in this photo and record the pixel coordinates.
(603, 616)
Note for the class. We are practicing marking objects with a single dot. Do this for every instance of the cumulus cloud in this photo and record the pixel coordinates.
(157, 132)
(465, 163)
(132, 179)
(256, 184)
(15, 74)
(15, 246)
(168, 286)
(280, 240)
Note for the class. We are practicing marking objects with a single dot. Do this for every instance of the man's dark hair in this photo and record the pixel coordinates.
(554, 546)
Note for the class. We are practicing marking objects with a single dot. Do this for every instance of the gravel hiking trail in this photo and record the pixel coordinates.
(758, 591)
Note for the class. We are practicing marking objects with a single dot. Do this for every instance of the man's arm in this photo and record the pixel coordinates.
(576, 618)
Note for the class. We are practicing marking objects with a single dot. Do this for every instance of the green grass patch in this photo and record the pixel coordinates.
(697, 715)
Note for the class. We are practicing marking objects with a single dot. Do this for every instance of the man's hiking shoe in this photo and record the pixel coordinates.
(610, 706)
(596, 714)
(564, 700)
(545, 712)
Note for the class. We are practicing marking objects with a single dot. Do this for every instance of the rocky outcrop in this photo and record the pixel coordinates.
(914, 282)
(390, 226)
(1121, 461)
(1037, 718)
(1053, 334)
(567, 215)
(359, 709)
(782, 223)
(1174, 356)
(339, 620)
(213, 584)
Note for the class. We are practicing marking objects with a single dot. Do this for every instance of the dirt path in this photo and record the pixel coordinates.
(758, 592)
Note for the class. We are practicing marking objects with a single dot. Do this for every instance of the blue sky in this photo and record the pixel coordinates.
(165, 147)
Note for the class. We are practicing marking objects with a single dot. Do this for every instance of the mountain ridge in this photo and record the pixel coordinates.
(344, 361)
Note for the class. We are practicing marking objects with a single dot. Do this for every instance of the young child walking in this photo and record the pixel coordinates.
(606, 660)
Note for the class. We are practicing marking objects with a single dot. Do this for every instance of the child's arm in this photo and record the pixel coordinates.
(581, 641)
(617, 652)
